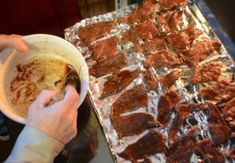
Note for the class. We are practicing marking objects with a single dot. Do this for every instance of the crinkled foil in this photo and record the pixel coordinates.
(190, 92)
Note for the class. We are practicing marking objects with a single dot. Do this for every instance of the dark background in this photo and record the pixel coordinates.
(225, 14)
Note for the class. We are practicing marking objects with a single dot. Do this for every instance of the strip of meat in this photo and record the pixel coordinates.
(218, 128)
(169, 80)
(165, 107)
(206, 73)
(117, 82)
(142, 13)
(92, 32)
(222, 91)
(104, 49)
(143, 31)
(150, 80)
(108, 65)
(163, 59)
(130, 100)
(181, 151)
(151, 143)
(150, 46)
(210, 152)
(183, 39)
(133, 124)
(200, 51)
(169, 4)
(228, 110)
(168, 22)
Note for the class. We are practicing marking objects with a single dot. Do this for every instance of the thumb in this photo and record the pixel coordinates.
(45, 97)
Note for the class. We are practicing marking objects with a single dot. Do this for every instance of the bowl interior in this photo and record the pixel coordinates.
(42, 44)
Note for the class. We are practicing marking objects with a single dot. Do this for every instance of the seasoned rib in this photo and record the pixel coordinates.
(104, 49)
(130, 100)
(168, 22)
(181, 151)
(133, 124)
(218, 128)
(169, 80)
(210, 152)
(219, 133)
(150, 80)
(151, 143)
(228, 110)
(165, 107)
(206, 73)
(222, 91)
(92, 32)
(143, 31)
(108, 65)
(150, 46)
(183, 39)
(117, 82)
(142, 13)
(169, 4)
(163, 59)
(200, 51)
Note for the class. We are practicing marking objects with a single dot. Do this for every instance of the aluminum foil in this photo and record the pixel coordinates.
(189, 92)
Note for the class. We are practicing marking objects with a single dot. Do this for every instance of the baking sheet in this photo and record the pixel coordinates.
(186, 90)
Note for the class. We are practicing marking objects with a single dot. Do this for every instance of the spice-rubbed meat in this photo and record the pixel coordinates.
(209, 152)
(151, 143)
(108, 65)
(150, 46)
(133, 124)
(92, 32)
(169, 80)
(206, 73)
(217, 126)
(163, 59)
(130, 100)
(104, 49)
(168, 22)
(183, 39)
(165, 107)
(117, 82)
(181, 151)
(143, 31)
(200, 51)
(142, 13)
(169, 4)
(150, 79)
(228, 110)
(222, 91)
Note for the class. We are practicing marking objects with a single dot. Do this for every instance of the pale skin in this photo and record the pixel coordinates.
(58, 120)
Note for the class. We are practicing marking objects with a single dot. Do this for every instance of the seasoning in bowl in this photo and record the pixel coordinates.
(28, 79)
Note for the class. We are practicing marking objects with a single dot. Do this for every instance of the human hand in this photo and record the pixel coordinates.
(58, 120)
(12, 41)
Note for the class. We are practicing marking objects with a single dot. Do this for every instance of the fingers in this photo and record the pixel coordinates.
(45, 97)
(13, 41)
(16, 42)
(71, 98)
